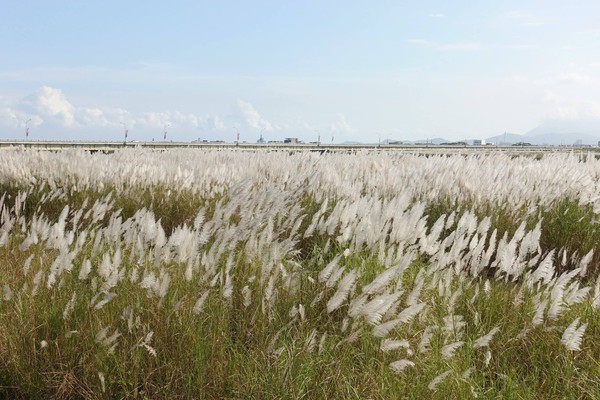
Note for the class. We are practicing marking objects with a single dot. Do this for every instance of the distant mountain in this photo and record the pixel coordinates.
(508, 138)
(432, 141)
(556, 133)
(589, 127)
(350, 142)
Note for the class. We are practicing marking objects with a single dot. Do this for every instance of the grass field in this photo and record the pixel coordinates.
(257, 275)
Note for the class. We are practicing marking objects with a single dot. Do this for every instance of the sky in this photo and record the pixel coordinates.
(335, 70)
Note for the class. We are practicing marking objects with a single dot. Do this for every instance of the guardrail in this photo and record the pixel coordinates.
(112, 146)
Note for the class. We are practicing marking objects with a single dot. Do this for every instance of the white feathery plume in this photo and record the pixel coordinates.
(335, 276)
(37, 280)
(322, 343)
(102, 381)
(401, 365)
(538, 317)
(426, 338)
(438, 379)
(484, 341)
(228, 287)
(545, 271)
(487, 288)
(27, 264)
(199, 305)
(101, 335)
(390, 344)
(150, 349)
(69, 307)
(346, 284)
(107, 297)
(596, 299)
(311, 341)
(247, 294)
(86, 267)
(413, 296)
(573, 335)
(454, 325)
(404, 317)
(382, 280)
(488, 358)
(326, 272)
(373, 310)
(6, 292)
(467, 373)
(448, 350)
(585, 262)
(556, 304)
(575, 295)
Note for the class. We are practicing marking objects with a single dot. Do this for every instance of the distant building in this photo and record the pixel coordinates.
(479, 142)
(290, 140)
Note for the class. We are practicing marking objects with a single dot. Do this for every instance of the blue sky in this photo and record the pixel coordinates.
(348, 69)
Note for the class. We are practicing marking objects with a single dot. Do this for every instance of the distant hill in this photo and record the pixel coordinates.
(567, 132)
(509, 138)
(432, 141)
(350, 142)
(556, 133)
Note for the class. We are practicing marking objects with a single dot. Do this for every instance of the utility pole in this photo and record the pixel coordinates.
(318, 137)
(27, 129)
(126, 131)
(165, 131)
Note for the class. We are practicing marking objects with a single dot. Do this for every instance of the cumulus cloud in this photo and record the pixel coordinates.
(251, 117)
(50, 109)
(52, 103)
(53, 115)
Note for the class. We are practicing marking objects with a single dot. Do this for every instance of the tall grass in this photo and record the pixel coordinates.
(232, 275)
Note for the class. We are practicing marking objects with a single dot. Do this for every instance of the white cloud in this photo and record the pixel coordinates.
(251, 117)
(51, 103)
(341, 125)
(49, 110)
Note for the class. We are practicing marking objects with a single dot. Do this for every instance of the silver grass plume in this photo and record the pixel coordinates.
(401, 365)
(341, 293)
(448, 350)
(573, 335)
(484, 341)
(405, 316)
(438, 379)
(390, 344)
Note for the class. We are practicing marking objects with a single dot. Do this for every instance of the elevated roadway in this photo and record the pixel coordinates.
(97, 146)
